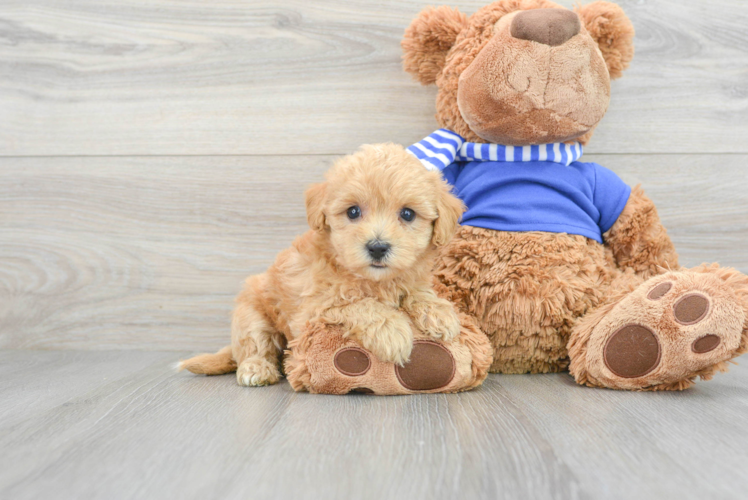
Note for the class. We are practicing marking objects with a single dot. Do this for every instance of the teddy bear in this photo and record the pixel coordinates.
(560, 264)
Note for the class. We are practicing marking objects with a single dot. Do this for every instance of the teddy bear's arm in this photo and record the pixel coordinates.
(638, 239)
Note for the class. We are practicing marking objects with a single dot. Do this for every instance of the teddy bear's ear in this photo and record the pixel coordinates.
(613, 32)
(428, 39)
(315, 200)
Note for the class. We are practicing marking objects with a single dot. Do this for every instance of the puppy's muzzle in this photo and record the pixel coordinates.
(378, 250)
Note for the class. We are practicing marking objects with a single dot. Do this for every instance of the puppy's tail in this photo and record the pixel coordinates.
(210, 364)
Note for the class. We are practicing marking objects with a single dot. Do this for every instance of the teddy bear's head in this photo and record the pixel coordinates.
(520, 72)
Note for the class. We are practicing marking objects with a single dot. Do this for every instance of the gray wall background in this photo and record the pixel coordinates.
(153, 154)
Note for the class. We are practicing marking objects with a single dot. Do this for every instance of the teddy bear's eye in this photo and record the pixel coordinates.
(407, 214)
(354, 212)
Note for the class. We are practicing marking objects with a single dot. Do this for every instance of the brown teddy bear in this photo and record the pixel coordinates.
(560, 263)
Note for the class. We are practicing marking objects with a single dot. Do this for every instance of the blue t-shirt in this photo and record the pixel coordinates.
(581, 198)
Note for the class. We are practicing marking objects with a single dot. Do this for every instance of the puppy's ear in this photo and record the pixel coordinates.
(315, 200)
(428, 39)
(449, 209)
(613, 32)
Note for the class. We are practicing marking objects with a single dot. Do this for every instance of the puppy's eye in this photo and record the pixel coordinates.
(353, 213)
(407, 214)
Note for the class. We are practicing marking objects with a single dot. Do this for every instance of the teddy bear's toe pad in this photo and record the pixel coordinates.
(352, 361)
(669, 330)
(660, 291)
(705, 344)
(691, 309)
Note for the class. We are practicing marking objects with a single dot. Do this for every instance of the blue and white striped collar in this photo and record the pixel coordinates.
(444, 147)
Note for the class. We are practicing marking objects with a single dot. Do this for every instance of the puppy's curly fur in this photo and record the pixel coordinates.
(363, 265)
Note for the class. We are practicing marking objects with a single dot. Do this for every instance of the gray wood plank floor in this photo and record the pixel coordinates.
(121, 425)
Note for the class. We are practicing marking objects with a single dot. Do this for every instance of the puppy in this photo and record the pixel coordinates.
(376, 223)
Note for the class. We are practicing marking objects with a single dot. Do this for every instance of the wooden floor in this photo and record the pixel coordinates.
(153, 154)
(122, 425)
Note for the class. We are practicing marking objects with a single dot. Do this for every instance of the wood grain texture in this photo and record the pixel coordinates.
(135, 429)
(86, 77)
(148, 253)
(139, 248)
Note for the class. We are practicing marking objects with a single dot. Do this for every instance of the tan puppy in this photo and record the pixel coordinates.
(365, 264)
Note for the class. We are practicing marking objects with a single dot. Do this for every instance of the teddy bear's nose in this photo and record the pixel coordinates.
(547, 26)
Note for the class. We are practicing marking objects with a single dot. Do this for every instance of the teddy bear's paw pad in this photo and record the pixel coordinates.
(255, 372)
(431, 366)
(352, 361)
(632, 351)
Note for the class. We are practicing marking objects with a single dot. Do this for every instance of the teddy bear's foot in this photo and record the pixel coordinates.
(430, 367)
(323, 360)
(670, 330)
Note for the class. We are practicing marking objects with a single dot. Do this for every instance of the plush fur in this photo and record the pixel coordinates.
(547, 301)
(328, 277)
(428, 39)
(612, 31)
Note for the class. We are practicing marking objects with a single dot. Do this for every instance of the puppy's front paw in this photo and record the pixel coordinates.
(257, 371)
(391, 340)
(437, 319)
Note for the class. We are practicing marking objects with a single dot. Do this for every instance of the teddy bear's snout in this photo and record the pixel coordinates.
(547, 26)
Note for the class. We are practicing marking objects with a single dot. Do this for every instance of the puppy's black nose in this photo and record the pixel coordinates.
(377, 249)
